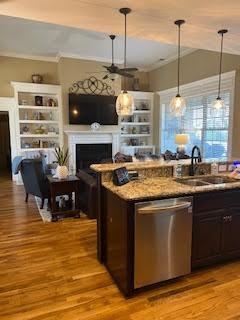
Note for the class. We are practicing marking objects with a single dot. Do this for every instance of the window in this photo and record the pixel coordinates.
(206, 127)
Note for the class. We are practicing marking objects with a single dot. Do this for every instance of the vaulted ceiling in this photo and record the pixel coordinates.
(151, 20)
(31, 39)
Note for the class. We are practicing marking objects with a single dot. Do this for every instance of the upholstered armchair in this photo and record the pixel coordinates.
(33, 173)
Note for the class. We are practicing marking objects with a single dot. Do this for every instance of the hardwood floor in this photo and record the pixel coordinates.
(50, 271)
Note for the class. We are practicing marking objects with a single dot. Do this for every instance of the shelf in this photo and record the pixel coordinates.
(135, 123)
(38, 121)
(126, 135)
(39, 135)
(142, 111)
(36, 149)
(38, 107)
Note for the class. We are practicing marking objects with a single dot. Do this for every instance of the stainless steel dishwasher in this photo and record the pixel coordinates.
(163, 239)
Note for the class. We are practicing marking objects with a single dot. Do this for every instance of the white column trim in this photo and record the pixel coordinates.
(8, 104)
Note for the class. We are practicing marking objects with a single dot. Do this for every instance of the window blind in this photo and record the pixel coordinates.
(207, 128)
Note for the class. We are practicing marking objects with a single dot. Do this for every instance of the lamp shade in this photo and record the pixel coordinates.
(125, 104)
(181, 139)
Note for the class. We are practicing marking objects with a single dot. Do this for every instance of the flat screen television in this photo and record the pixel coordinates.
(87, 108)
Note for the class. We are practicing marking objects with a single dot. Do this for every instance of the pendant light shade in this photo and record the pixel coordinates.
(218, 103)
(178, 106)
(178, 103)
(125, 104)
(125, 101)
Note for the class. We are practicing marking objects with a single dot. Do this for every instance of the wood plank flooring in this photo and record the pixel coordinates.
(50, 272)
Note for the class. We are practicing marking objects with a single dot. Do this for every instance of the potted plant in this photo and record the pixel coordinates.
(62, 157)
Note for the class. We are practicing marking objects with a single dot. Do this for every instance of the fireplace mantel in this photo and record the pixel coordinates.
(90, 137)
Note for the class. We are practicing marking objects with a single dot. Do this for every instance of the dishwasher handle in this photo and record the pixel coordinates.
(155, 209)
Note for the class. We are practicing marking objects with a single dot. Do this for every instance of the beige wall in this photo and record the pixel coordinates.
(73, 70)
(15, 69)
(143, 81)
(65, 72)
(196, 66)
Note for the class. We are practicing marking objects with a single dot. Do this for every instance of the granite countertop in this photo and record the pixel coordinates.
(161, 187)
(106, 167)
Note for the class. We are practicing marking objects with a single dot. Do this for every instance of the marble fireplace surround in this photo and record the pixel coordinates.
(90, 137)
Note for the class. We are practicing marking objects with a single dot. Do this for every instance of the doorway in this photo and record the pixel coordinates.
(5, 145)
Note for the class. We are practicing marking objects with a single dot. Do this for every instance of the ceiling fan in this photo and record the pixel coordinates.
(115, 70)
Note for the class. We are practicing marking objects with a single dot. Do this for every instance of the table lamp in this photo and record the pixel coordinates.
(181, 139)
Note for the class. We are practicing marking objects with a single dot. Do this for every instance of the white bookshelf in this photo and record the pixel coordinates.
(136, 130)
(38, 126)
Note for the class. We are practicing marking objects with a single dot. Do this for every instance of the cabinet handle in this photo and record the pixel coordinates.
(227, 218)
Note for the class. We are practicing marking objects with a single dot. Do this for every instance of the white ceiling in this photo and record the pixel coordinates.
(151, 20)
(26, 38)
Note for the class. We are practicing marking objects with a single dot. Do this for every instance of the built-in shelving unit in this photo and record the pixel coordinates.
(136, 130)
(38, 118)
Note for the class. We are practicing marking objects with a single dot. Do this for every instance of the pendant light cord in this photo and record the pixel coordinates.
(178, 72)
(112, 52)
(220, 67)
(125, 52)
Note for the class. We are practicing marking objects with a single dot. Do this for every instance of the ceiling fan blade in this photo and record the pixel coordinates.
(125, 74)
(129, 69)
(95, 72)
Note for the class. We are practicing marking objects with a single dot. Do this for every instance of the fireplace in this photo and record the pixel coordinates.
(92, 139)
(87, 154)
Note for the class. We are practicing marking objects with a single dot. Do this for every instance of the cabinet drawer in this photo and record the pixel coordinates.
(216, 200)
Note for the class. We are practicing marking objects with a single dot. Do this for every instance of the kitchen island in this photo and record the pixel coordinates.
(215, 224)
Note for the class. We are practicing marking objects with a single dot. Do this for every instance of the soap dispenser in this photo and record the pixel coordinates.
(214, 168)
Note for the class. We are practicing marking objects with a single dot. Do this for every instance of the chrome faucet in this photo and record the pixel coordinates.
(194, 160)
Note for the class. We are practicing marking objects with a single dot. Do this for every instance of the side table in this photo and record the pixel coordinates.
(64, 187)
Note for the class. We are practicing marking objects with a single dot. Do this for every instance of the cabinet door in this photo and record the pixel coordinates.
(207, 232)
(231, 232)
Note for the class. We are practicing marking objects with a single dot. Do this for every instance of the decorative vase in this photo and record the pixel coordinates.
(37, 78)
(62, 172)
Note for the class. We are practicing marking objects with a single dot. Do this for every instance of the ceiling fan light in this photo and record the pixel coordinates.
(125, 104)
(218, 103)
(177, 106)
(113, 76)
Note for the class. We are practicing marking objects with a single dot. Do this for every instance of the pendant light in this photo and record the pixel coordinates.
(125, 102)
(178, 103)
(219, 102)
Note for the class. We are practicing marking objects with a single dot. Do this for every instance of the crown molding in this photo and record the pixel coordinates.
(27, 56)
(60, 55)
(90, 58)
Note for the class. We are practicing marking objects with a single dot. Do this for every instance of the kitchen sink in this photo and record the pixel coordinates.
(204, 181)
(218, 180)
(192, 182)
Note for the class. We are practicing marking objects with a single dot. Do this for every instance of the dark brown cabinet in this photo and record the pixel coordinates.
(231, 232)
(215, 234)
(216, 230)
(207, 229)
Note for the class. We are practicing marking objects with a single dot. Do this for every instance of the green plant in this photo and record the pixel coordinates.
(62, 156)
